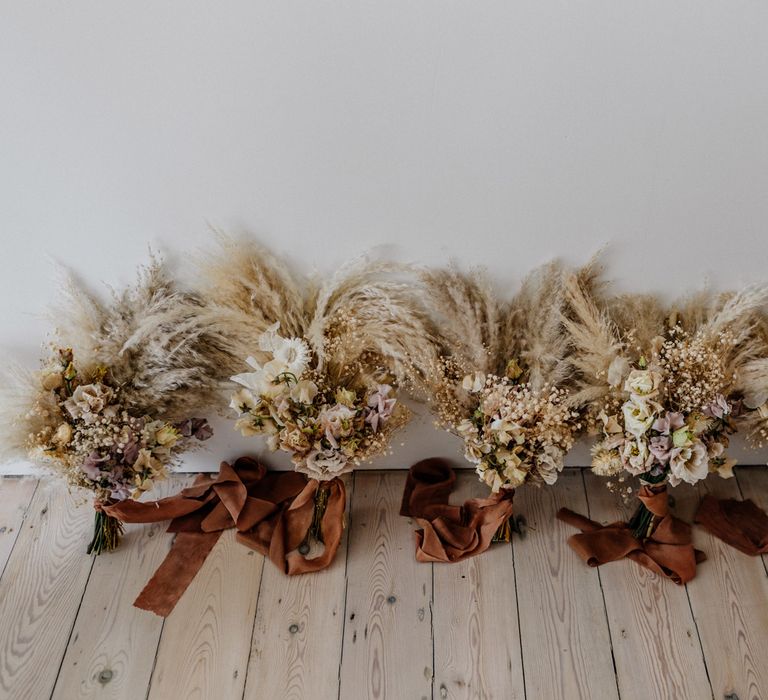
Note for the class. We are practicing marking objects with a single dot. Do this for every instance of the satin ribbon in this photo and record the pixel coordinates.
(668, 551)
(271, 511)
(741, 524)
(450, 533)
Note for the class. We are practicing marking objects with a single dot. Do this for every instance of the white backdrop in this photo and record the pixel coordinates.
(500, 132)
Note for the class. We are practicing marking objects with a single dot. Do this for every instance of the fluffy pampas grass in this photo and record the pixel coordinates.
(362, 323)
(150, 336)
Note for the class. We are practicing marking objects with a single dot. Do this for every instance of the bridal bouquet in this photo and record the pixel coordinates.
(502, 382)
(674, 415)
(665, 389)
(97, 441)
(327, 428)
(325, 362)
(113, 410)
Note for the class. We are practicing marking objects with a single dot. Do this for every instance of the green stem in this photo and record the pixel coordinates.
(504, 533)
(321, 502)
(106, 533)
(643, 523)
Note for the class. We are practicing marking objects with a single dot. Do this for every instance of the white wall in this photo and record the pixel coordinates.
(502, 133)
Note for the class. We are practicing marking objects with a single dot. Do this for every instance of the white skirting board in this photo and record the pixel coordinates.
(418, 440)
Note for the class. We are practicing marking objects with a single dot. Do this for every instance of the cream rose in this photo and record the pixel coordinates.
(336, 421)
(638, 416)
(689, 464)
(324, 465)
(88, 401)
(636, 456)
(643, 383)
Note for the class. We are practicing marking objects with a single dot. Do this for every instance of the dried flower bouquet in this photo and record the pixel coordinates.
(502, 380)
(325, 364)
(664, 389)
(111, 409)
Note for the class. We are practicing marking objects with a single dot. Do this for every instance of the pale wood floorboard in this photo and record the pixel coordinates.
(655, 643)
(476, 631)
(113, 645)
(297, 635)
(41, 590)
(15, 496)
(522, 621)
(205, 642)
(387, 649)
(729, 600)
(563, 626)
(753, 483)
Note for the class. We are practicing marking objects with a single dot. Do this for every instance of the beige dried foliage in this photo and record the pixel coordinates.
(363, 323)
(595, 339)
(480, 333)
(470, 317)
(603, 329)
(150, 336)
(534, 332)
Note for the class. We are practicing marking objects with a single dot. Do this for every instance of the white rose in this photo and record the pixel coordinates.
(689, 464)
(643, 383)
(638, 417)
(324, 464)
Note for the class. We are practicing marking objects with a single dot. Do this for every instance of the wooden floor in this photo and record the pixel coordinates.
(522, 621)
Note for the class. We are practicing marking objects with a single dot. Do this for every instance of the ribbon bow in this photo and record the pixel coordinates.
(272, 512)
(450, 533)
(667, 551)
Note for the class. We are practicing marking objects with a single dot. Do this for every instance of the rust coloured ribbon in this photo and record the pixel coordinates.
(668, 551)
(450, 533)
(272, 512)
(741, 524)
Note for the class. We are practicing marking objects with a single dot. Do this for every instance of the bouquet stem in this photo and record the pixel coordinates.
(321, 502)
(106, 533)
(643, 522)
(513, 524)
(504, 533)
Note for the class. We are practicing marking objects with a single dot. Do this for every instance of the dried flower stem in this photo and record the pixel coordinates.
(106, 533)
